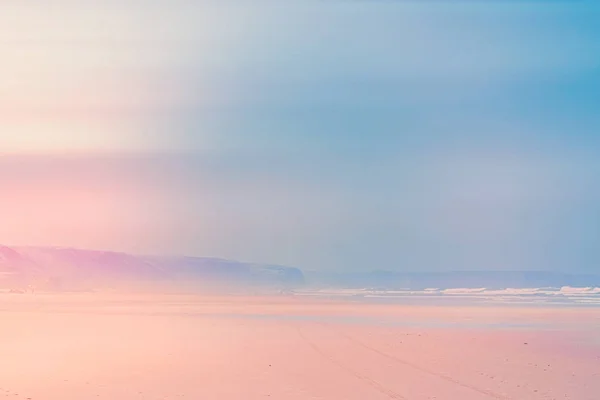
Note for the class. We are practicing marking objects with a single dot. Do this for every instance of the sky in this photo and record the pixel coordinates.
(328, 135)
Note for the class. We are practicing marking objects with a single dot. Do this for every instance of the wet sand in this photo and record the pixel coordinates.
(78, 347)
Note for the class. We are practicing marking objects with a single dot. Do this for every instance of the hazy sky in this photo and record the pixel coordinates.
(335, 135)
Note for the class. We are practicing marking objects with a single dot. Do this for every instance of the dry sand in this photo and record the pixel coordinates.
(78, 347)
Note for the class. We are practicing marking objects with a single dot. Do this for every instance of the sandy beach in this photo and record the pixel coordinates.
(77, 347)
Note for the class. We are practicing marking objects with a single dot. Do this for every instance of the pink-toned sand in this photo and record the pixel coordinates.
(79, 347)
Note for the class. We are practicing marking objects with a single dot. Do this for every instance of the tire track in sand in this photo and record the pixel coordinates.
(363, 378)
(447, 378)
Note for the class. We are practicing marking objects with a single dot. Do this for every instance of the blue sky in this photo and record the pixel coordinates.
(334, 135)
